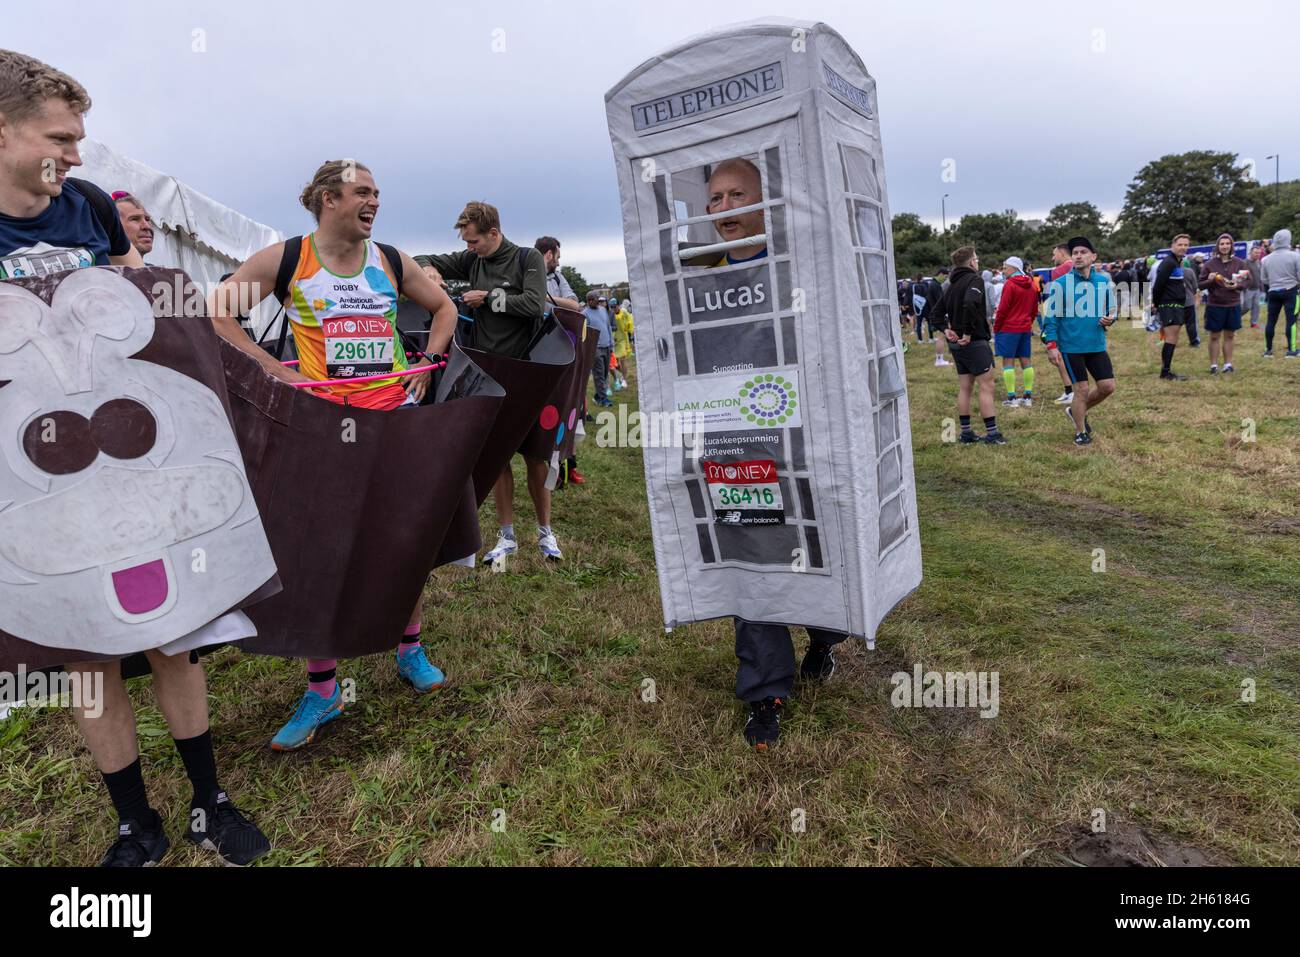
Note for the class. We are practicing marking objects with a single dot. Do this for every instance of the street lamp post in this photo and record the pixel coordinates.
(1277, 176)
(1250, 221)
(943, 208)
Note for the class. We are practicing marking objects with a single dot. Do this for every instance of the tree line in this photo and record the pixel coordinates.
(1201, 193)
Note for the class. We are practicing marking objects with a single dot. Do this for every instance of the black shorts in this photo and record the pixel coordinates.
(974, 358)
(1171, 314)
(1080, 365)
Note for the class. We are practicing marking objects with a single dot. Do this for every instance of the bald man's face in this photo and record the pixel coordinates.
(733, 187)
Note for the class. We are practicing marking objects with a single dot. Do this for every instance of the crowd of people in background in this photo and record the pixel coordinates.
(985, 313)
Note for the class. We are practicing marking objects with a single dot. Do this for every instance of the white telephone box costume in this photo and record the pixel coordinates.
(793, 500)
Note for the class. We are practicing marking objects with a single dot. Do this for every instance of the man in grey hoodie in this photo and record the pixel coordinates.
(1279, 273)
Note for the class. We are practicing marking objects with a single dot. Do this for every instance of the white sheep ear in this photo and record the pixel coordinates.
(105, 303)
(102, 304)
(20, 323)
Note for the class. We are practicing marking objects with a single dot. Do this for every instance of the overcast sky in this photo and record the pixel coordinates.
(1037, 104)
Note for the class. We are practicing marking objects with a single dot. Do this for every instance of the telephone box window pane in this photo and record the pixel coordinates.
(864, 286)
(759, 544)
(789, 344)
(706, 544)
(859, 172)
(683, 212)
(814, 547)
(877, 281)
(887, 425)
(683, 360)
(867, 219)
(774, 185)
(661, 195)
(783, 282)
(889, 472)
(778, 231)
(797, 461)
(666, 252)
(806, 499)
(893, 522)
(697, 499)
(721, 346)
(891, 380)
(675, 302)
(867, 332)
(885, 326)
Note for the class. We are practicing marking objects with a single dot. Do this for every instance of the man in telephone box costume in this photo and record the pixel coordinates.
(756, 226)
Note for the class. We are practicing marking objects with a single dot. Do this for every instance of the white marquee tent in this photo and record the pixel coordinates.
(195, 232)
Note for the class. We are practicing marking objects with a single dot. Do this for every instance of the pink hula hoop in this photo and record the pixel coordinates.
(366, 378)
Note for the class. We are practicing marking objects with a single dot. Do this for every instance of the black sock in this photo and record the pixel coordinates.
(1167, 355)
(965, 422)
(126, 790)
(991, 423)
(200, 765)
(326, 675)
(1069, 390)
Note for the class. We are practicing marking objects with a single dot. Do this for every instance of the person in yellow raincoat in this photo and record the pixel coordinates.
(622, 329)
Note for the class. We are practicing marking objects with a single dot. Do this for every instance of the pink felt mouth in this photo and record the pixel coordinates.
(141, 588)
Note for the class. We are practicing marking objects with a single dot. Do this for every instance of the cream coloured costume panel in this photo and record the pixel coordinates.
(123, 552)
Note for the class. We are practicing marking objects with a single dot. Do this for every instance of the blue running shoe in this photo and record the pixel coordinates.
(413, 667)
(313, 712)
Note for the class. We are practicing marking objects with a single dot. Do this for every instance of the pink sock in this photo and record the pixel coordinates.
(324, 688)
(410, 639)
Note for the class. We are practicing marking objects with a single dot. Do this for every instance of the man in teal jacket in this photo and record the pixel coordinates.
(1080, 307)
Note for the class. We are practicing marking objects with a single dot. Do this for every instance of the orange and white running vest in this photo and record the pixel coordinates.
(345, 327)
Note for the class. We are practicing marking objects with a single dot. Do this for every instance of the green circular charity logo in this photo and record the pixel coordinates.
(768, 400)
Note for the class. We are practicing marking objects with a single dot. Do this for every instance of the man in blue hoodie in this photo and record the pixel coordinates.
(1080, 307)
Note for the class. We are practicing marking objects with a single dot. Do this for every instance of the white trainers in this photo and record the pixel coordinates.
(504, 546)
(549, 547)
(941, 361)
(1026, 402)
(1011, 403)
(1065, 398)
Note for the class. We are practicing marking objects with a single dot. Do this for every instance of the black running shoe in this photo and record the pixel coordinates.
(819, 662)
(1173, 377)
(968, 438)
(1082, 438)
(994, 438)
(220, 827)
(764, 724)
(137, 846)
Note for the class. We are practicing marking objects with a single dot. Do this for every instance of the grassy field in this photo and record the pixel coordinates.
(1120, 691)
